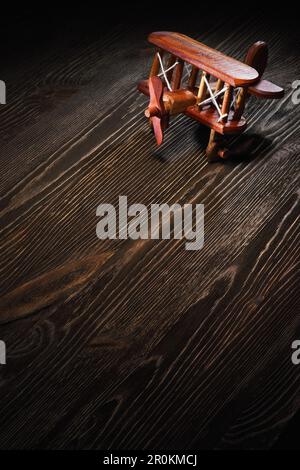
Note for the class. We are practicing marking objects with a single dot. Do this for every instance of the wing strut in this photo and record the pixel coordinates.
(213, 98)
(164, 72)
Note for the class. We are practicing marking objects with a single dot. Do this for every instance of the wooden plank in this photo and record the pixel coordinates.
(140, 344)
(219, 65)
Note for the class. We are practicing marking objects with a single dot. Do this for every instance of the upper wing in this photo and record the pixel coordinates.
(219, 65)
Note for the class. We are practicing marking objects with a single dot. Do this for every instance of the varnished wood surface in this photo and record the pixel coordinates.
(142, 344)
(210, 117)
(266, 89)
(230, 70)
(207, 116)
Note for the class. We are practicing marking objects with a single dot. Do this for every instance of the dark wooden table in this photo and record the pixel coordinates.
(142, 344)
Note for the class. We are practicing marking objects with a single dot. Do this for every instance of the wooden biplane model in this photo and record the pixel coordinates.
(218, 101)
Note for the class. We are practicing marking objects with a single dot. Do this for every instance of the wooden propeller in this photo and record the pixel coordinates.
(156, 111)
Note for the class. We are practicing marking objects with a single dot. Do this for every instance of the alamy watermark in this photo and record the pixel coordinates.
(2, 352)
(2, 92)
(162, 222)
(296, 354)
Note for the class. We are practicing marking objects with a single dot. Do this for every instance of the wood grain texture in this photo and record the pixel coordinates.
(142, 344)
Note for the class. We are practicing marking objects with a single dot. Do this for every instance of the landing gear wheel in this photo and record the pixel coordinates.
(215, 152)
(215, 149)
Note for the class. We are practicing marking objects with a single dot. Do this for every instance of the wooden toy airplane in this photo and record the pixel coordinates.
(218, 101)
